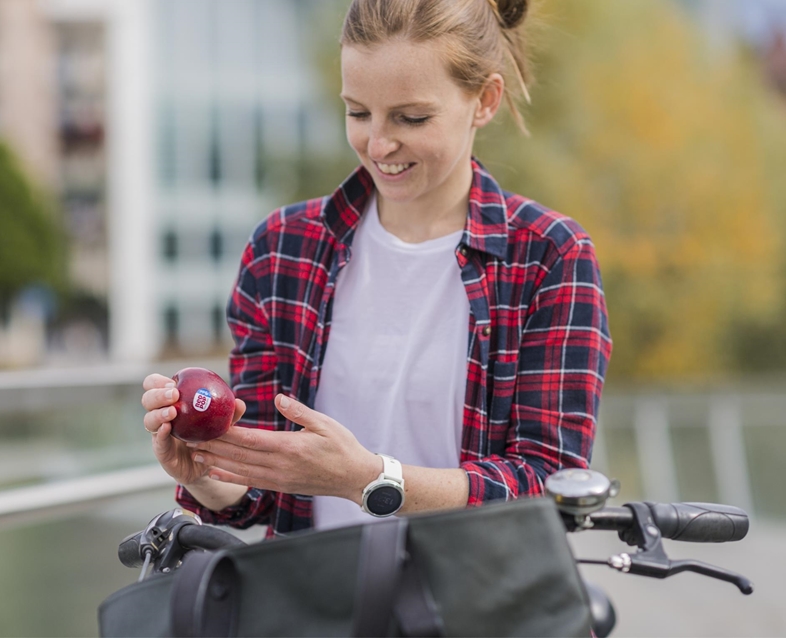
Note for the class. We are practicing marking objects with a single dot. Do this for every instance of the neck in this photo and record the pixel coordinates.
(436, 214)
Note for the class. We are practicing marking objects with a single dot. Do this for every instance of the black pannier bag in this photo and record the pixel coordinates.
(503, 569)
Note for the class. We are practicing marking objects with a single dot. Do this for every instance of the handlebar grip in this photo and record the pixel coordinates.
(203, 537)
(128, 551)
(700, 522)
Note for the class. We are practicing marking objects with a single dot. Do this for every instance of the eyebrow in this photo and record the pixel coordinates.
(428, 105)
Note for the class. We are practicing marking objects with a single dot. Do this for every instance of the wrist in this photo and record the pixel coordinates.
(369, 470)
(198, 484)
(215, 495)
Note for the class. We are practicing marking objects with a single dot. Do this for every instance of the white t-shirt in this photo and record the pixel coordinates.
(395, 368)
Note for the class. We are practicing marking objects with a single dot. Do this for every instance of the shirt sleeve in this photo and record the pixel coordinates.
(559, 375)
(253, 368)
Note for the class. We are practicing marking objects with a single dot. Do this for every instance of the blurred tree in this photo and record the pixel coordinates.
(31, 242)
(670, 154)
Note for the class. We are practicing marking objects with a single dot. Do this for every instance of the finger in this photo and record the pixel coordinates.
(154, 419)
(156, 380)
(240, 410)
(265, 480)
(248, 470)
(159, 398)
(298, 413)
(246, 445)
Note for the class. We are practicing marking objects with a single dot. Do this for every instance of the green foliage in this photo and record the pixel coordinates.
(671, 154)
(31, 242)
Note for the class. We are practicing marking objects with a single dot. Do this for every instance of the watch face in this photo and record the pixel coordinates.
(384, 500)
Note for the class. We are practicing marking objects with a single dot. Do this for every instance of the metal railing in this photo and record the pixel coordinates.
(650, 418)
(52, 500)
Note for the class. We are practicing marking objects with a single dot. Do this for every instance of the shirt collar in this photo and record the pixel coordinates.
(486, 229)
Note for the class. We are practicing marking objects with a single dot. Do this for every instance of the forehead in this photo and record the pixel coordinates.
(396, 72)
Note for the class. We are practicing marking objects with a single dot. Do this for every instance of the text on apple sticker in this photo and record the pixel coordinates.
(202, 399)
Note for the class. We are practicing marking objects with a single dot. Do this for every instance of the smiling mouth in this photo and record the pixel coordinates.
(393, 169)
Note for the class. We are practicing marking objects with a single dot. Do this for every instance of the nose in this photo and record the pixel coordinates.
(381, 143)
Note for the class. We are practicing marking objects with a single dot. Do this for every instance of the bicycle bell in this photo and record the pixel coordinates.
(580, 492)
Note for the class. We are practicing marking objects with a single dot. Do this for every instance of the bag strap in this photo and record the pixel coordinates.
(389, 583)
(416, 610)
(381, 560)
(205, 599)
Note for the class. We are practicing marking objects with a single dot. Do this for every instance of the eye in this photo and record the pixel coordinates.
(415, 121)
(360, 115)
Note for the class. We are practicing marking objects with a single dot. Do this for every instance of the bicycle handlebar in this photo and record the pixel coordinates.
(688, 522)
(170, 535)
(188, 536)
(645, 524)
(202, 537)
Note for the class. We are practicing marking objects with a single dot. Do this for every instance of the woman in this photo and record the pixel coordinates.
(420, 339)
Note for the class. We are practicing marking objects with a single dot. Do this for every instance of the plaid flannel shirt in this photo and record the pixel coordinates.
(539, 342)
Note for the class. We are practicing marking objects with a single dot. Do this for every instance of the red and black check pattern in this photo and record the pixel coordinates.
(539, 342)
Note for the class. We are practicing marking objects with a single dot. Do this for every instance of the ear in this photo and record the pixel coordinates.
(489, 100)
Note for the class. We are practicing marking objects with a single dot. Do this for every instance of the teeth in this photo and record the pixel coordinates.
(393, 169)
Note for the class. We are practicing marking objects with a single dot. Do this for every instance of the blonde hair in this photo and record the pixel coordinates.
(478, 37)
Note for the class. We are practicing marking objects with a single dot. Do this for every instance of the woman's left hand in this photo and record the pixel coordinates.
(323, 459)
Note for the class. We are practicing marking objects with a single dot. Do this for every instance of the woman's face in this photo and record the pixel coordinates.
(409, 122)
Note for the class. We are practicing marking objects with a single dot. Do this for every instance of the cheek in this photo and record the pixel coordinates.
(356, 137)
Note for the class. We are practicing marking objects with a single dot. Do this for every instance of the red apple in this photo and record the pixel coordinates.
(205, 407)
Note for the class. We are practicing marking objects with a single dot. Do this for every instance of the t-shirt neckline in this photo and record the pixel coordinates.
(384, 236)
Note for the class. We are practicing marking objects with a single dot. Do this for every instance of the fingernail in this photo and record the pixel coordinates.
(191, 444)
(284, 402)
(165, 412)
(199, 458)
(170, 394)
(171, 384)
(215, 477)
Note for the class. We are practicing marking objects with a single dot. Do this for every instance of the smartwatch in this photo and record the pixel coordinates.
(385, 495)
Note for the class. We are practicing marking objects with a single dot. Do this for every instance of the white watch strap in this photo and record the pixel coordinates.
(391, 469)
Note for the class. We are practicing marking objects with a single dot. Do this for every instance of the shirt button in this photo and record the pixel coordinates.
(486, 331)
(463, 250)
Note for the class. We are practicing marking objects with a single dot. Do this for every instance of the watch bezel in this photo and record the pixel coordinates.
(374, 487)
(392, 476)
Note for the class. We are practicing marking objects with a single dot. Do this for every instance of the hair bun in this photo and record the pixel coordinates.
(512, 12)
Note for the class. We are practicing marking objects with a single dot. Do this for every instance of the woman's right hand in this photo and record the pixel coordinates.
(174, 455)
(159, 400)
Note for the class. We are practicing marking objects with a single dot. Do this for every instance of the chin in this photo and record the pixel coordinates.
(398, 197)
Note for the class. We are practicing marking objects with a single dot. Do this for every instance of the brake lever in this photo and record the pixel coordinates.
(699, 567)
(651, 559)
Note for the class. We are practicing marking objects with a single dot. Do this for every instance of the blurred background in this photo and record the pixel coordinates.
(140, 143)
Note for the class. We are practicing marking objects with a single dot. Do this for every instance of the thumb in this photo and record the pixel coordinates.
(298, 413)
(163, 444)
(240, 410)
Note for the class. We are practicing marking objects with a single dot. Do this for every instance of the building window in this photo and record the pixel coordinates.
(171, 325)
(259, 144)
(169, 245)
(167, 146)
(216, 245)
(215, 148)
(219, 323)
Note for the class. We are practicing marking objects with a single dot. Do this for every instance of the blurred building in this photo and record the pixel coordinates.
(157, 123)
(234, 94)
(28, 117)
(28, 123)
